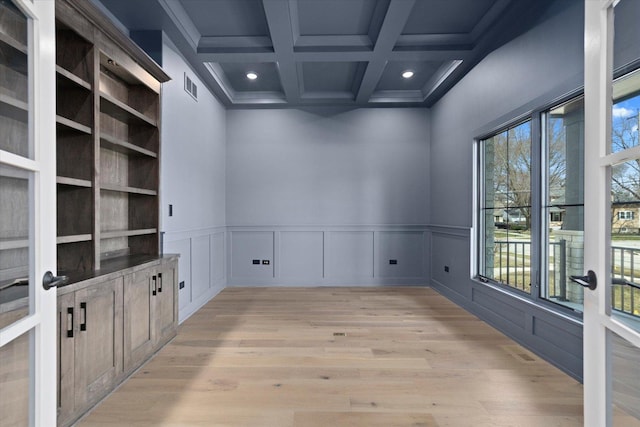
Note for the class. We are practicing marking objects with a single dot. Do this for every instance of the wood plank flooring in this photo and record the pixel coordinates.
(325, 357)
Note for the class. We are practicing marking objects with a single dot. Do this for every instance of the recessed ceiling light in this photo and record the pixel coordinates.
(407, 74)
(251, 75)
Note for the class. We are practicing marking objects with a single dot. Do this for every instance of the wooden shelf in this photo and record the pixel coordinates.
(73, 125)
(127, 233)
(21, 243)
(8, 40)
(112, 143)
(122, 111)
(15, 103)
(73, 182)
(74, 238)
(72, 77)
(130, 190)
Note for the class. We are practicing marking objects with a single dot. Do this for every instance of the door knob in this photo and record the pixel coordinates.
(589, 281)
(50, 281)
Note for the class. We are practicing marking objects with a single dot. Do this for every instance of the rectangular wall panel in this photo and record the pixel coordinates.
(182, 247)
(217, 258)
(399, 254)
(301, 255)
(248, 247)
(451, 252)
(200, 258)
(349, 254)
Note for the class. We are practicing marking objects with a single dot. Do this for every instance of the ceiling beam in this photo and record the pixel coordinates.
(489, 18)
(338, 56)
(243, 44)
(425, 41)
(182, 21)
(280, 28)
(250, 57)
(339, 43)
(394, 22)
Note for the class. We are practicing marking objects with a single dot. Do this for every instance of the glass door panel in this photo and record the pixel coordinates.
(612, 159)
(16, 252)
(27, 225)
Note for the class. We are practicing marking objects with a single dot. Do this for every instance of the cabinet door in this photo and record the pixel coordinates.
(166, 303)
(98, 342)
(67, 330)
(140, 290)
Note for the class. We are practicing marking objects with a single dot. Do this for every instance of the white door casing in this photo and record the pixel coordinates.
(599, 322)
(40, 322)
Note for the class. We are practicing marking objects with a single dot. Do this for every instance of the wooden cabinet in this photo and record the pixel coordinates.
(139, 322)
(167, 304)
(150, 318)
(89, 345)
(108, 327)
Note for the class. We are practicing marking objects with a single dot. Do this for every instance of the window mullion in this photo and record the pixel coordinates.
(538, 179)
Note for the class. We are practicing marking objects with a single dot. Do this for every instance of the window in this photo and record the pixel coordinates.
(517, 238)
(622, 215)
(506, 207)
(563, 199)
(531, 203)
(555, 217)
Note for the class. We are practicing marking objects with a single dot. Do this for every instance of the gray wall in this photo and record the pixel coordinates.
(327, 167)
(328, 196)
(537, 67)
(193, 181)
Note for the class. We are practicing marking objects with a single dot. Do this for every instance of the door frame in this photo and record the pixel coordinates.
(40, 323)
(598, 322)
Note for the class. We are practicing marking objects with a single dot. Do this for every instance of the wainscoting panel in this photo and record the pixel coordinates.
(252, 254)
(182, 247)
(399, 254)
(450, 260)
(327, 255)
(349, 254)
(301, 255)
(201, 266)
(217, 258)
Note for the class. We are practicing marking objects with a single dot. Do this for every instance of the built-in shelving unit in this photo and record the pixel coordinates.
(108, 143)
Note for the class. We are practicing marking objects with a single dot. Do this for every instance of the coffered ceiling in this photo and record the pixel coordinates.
(328, 52)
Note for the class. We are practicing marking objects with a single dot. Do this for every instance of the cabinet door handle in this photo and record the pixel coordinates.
(159, 282)
(154, 285)
(69, 322)
(83, 316)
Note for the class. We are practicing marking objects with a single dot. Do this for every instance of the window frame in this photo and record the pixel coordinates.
(628, 215)
(536, 115)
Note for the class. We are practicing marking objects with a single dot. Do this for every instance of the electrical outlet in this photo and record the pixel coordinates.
(256, 262)
(266, 262)
(393, 261)
(181, 285)
(446, 268)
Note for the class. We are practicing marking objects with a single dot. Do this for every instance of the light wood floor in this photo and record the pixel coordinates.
(325, 357)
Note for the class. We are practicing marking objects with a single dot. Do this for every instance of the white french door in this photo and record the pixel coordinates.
(27, 213)
(612, 175)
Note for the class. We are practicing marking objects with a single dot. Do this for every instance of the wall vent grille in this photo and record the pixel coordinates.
(190, 87)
